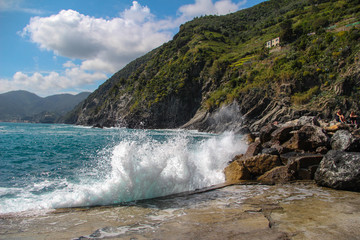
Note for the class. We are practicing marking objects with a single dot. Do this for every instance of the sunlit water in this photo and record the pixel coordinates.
(46, 170)
(45, 167)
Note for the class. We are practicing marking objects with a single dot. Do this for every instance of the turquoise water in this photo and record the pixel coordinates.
(43, 167)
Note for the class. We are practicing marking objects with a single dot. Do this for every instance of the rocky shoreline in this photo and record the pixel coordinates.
(302, 149)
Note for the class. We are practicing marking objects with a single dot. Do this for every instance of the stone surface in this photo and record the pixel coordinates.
(305, 161)
(289, 211)
(308, 120)
(308, 138)
(271, 151)
(283, 134)
(265, 132)
(249, 168)
(281, 174)
(336, 127)
(236, 172)
(339, 170)
(260, 164)
(253, 149)
(343, 140)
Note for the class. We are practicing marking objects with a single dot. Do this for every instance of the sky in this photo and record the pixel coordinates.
(50, 47)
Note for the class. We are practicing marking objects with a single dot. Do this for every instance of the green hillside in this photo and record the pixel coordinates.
(217, 60)
(20, 106)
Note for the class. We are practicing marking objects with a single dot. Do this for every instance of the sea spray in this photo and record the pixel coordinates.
(143, 168)
(89, 167)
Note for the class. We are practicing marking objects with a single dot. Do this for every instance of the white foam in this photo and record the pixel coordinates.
(141, 167)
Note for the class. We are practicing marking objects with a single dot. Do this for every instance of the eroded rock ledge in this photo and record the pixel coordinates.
(303, 149)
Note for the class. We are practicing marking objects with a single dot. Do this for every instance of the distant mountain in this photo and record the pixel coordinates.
(19, 106)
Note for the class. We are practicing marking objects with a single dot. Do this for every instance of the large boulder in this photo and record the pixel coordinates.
(283, 133)
(343, 140)
(308, 138)
(266, 131)
(260, 164)
(253, 149)
(305, 166)
(235, 172)
(308, 120)
(281, 174)
(301, 167)
(249, 168)
(339, 170)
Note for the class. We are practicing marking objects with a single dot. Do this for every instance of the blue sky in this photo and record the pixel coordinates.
(50, 47)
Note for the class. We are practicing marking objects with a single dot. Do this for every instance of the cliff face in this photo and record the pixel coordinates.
(217, 74)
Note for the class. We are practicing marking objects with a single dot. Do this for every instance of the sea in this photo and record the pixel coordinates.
(75, 182)
(49, 166)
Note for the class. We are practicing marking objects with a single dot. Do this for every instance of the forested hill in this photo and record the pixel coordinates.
(222, 62)
(23, 106)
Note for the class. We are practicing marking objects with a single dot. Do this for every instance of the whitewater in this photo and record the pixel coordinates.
(45, 167)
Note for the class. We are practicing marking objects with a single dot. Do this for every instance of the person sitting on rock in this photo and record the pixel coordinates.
(340, 117)
(353, 118)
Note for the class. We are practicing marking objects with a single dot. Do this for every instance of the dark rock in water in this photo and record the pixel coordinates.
(343, 140)
(339, 170)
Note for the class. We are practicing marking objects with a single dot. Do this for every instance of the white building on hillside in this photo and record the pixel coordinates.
(273, 43)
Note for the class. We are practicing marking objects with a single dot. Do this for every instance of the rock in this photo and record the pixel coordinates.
(280, 149)
(271, 151)
(265, 132)
(301, 167)
(253, 149)
(343, 140)
(248, 168)
(283, 134)
(307, 173)
(281, 174)
(236, 172)
(260, 164)
(339, 170)
(356, 133)
(305, 161)
(309, 138)
(308, 120)
(336, 127)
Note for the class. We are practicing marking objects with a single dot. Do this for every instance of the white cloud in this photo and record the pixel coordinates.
(207, 7)
(103, 45)
(15, 5)
(50, 83)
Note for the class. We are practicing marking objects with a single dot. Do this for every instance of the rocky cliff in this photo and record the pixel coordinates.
(217, 73)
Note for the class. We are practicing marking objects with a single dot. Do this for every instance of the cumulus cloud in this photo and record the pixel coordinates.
(102, 45)
(206, 7)
(49, 83)
(16, 5)
(105, 45)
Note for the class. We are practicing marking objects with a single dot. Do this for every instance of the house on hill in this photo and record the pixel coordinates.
(273, 43)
